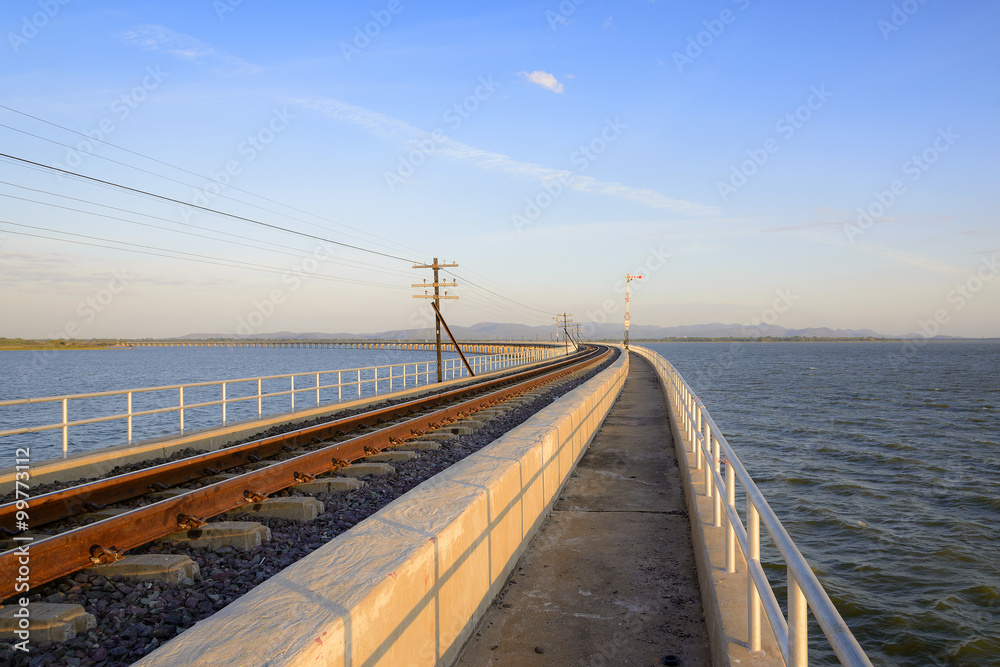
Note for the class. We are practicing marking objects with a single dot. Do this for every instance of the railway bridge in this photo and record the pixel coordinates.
(469, 347)
(586, 480)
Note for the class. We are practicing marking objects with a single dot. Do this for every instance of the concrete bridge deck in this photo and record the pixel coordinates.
(610, 578)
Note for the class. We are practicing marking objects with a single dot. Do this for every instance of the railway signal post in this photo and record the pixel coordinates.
(628, 278)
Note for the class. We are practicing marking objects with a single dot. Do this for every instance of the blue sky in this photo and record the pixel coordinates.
(835, 159)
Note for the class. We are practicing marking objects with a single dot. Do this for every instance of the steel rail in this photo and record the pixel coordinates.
(449, 367)
(62, 504)
(106, 540)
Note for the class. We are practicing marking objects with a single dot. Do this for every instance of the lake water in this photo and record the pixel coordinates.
(27, 374)
(883, 463)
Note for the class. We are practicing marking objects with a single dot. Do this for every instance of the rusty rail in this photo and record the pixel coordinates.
(107, 540)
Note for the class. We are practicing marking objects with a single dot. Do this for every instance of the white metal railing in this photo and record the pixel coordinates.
(804, 593)
(347, 379)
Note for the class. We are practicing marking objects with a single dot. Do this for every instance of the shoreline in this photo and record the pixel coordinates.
(44, 346)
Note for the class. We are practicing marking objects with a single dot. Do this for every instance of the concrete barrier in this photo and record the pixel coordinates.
(724, 596)
(408, 585)
(99, 462)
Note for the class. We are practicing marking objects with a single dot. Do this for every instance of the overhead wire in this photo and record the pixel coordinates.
(271, 247)
(204, 259)
(487, 292)
(192, 173)
(146, 193)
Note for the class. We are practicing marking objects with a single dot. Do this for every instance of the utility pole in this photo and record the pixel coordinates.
(437, 296)
(628, 278)
(565, 323)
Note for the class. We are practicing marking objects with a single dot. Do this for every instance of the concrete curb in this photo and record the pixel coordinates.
(409, 584)
(724, 597)
(97, 463)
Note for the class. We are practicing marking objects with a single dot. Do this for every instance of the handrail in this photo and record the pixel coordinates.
(805, 592)
(356, 377)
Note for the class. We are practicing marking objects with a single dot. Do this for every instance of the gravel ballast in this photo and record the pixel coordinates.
(134, 618)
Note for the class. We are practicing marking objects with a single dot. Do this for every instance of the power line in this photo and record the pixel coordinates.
(194, 257)
(203, 208)
(485, 289)
(141, 192)
(192, 173)
(269, 248)
(495, 285)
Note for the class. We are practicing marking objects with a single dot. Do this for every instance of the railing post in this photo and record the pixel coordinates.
(696, 418)
(687, 423)
(223, 402)
(180, 405)
(129, 412)
(705, 432)
(65, 426)
(797, 632)
(753, 596)
(716, 466)
(730, 528)
(317, 388)
(292, 393)
(375, 372)
(340, 387)
(260, 399)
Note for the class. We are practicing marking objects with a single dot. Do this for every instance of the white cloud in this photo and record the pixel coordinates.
(392, 129)
(543, 79)
(609, 22)
(911, 258)
(185, 47)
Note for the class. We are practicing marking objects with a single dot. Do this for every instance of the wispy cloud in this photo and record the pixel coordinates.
(185, 47)
(894, 254)
(50, 270)
(805, 226)
(391, 129)
(912, 258)
(543, 79)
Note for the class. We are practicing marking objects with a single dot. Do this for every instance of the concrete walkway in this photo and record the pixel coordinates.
(610, 578)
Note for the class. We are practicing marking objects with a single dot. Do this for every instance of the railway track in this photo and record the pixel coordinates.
(283, 461)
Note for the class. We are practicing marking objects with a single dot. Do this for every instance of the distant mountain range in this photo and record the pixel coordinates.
(590, 330)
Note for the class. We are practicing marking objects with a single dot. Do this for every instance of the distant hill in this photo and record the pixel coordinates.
(591, 330)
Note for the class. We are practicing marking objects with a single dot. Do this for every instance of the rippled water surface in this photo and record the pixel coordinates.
(886, 475)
